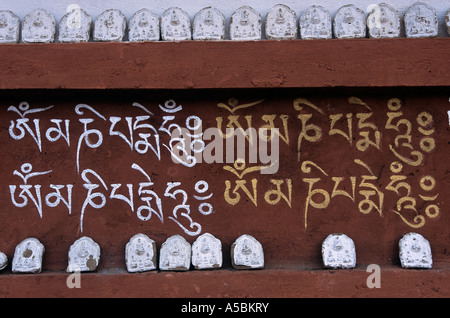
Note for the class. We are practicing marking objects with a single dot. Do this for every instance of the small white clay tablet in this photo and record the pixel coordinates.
(415, 251)
(315, 23)
(110, 25)
(207, 252)
(38, 27)
(28, 256)
(281, 23)
(338, 251)
(209, 24)
(420, 21)
(175, 254)
(383, 22)
(247, 253)
(140, 254)
(3, 260)
(447, 21)
(349, 23)
(9, 27)
(175, 25)
(84, 255)
(143, 26)
(245, 25)
(75, 26)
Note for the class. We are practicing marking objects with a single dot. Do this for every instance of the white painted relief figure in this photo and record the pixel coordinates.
(84, 255)
(420, 21)
(207, 252)
(209, 24)
(175, 254)
(9, 27)
(383, 22)
(247, 253)
(447, 21)
(110, 25)
(175, 25)
(281, 23)
(3, 260)
(338, 251)
(315, 23)
(75, 26)
(415, 251)
(144, 26)
(28, 256)
(349, 23)
(140, 254)
(245, 24)
(38, 27)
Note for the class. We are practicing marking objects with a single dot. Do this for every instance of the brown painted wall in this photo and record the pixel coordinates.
(227, 64)
(350, 132)
(331, 198)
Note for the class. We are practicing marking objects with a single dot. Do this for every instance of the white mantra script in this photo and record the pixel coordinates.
(140, 135)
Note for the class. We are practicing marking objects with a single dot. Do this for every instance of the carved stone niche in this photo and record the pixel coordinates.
(140, 254)
(3, 260)
(245, 25)
(75, 26)
(175, 25)
(315, 23)
(9, 27)
(447, 21)
(281, 23)
(110, 25)
(383, 22)
(207, 252)
(28, 256)
(175, 254)
(349, 23)
(338, 251)
(420, 21)
(38, 26)
(415, 251)
(144, 26)
(209, 24)
(247, 253)
(84, 255)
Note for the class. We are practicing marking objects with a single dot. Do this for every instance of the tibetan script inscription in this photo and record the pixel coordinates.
(286, 168)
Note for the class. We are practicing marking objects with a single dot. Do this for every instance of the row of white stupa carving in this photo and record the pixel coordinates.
(176, 254)
(39, 26)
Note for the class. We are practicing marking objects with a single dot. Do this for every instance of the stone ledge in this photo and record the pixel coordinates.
(227, 283)
(227, 64)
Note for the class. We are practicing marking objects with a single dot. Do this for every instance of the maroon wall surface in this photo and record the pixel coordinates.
(85, 153)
